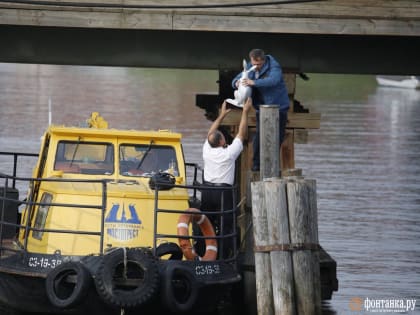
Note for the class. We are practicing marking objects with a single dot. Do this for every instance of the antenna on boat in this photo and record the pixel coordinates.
(49, 111)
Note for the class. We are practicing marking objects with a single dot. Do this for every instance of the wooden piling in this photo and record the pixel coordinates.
(269, 141)
(269, 159)
(286, 243)
(303, 233)
(285, 232)
(278, 235)
(262, 259)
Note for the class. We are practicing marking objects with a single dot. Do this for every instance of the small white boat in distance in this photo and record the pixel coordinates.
(407, 82)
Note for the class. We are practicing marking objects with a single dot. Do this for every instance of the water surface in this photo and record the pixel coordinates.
(365, 157)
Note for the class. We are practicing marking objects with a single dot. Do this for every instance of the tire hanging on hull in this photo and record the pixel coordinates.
(127, 277)
(171, 249)
(67, 284)
(179, 289)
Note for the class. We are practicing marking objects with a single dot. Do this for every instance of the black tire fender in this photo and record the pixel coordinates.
(127, 277)
(67, 284)
(169, 249)
(179, 289)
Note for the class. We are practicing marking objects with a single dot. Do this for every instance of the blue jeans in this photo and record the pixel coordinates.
(256, 144)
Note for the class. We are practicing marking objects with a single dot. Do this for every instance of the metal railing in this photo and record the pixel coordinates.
(31, 206)
(222, 215)
(15, 161)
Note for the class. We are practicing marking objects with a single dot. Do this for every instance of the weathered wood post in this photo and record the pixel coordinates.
(301, 196)
(262, 258)
(269, 159)
(279, 239)
(284, 214)
(269, 141)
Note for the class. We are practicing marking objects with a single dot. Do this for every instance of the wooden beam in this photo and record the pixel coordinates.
(287, 151)
(295, 120)
(304, 120)
(358, 17)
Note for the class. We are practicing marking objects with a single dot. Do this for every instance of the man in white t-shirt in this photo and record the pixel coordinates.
(219, 171)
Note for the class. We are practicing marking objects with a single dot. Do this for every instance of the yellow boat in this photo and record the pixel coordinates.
(107, 225)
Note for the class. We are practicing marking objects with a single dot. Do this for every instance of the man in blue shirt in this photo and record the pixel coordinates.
(268, 88)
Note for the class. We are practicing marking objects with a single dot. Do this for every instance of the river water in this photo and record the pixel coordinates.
(365, 158)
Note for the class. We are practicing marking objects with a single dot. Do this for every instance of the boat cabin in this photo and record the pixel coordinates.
(77, 162)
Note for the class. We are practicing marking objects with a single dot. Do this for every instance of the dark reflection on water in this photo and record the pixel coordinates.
(365, 157)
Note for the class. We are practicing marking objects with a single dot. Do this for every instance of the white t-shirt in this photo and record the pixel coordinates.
(219, 163)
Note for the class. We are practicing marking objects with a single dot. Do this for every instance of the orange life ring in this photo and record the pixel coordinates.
(207, 230)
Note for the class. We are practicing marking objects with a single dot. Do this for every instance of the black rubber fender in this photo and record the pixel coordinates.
(179, 289)
(169, 249)
(67, 284)
(127, 277)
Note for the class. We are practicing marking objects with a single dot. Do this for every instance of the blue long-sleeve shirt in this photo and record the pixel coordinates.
(269, 88)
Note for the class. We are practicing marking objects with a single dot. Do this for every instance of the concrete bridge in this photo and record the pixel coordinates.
(335, 36)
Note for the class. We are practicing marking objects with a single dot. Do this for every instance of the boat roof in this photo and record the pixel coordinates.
(114, 133)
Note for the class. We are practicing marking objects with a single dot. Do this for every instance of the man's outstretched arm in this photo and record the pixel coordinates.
(223, 112)
(243, 125)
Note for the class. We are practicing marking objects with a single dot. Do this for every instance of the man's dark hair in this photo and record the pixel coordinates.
(257, 54)
(214, 139)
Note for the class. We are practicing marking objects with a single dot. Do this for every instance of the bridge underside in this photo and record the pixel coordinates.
(208, 50)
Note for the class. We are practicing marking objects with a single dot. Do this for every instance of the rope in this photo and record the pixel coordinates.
(122, 312)
(125, 261)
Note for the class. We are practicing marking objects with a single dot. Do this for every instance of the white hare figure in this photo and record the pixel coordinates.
(243, 92)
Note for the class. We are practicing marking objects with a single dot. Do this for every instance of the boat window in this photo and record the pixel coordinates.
(85, 157)
(147, 159)
(41, 216)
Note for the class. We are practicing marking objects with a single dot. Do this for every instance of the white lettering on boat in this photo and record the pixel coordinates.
(122, 224)
(43, 262)
(202, 270)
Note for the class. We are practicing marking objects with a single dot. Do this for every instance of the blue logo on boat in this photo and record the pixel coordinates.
(121, 224)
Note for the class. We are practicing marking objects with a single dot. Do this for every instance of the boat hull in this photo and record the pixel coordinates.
(24, 293)
(28, 289)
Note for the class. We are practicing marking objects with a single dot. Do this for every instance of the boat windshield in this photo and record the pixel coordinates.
(85, 158)
(147, 159)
